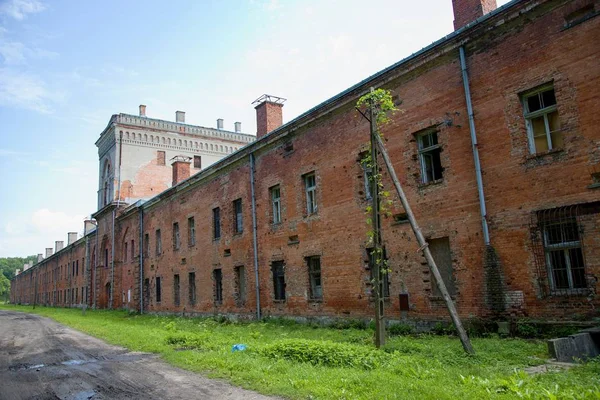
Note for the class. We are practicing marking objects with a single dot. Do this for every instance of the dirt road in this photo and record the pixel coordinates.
(41, 359)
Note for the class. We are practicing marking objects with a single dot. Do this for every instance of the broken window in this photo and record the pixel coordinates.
(310, 188)
(314, 276)
(385, 276)
(238, 223)
(564, 258)
(191, 231)
(176, 239)
(158, 243)
(192, 288)
(429, 157)
(541, 119)
(176, 297)
(440, 251)
(160, 157)
(197, 162)
(218, 285)
(216, 223)
(278, 269)
(158, 290)
(240, 285)
(276, 204)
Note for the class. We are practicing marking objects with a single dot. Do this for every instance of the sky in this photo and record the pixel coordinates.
(67, 66)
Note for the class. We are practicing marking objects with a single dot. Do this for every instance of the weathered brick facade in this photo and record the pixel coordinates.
(525, 48)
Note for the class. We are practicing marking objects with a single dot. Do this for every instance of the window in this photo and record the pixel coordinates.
(310, 187)
(192, 288)
(238, 223)
(278, 269)
(367, 174)
(564, 258)
(429, 157)
(147, 245)
(158, 243)
(77, 268)
(385, 276)
(105, 258)
(541, 119)
(132, 250)
(176, 297)
(218, 285)
(176, 239)
(197, 162)
(191, 231)
(314, 276)
(276, 203)
(216, 223)
(440, 251)
(147, 290)
(158, 290)
(240, 285)
(125, 252)
(160, 157)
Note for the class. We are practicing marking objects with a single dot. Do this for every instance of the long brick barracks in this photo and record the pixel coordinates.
(497, 148)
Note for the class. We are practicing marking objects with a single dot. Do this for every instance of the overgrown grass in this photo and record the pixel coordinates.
(309, 362)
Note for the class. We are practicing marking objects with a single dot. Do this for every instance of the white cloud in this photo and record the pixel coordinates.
(24, 90)
(18, 9)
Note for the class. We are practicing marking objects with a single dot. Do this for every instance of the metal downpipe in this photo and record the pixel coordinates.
(474, 145)
(141, 250)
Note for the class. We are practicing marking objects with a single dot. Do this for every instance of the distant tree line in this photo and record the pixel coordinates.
(8, 265)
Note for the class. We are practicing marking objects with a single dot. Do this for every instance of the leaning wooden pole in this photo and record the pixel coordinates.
(425, 248)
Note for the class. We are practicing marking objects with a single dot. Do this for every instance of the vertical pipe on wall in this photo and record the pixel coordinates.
(112, 262)
(96, 265)
(474, 145)
(254, 236)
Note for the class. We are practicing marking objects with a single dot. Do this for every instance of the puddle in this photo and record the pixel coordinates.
(88, 394)
(21, 367)
(74, 362)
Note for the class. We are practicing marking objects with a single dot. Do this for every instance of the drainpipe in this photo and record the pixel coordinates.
(141, 258)
(254, 236)
(474, 145)
(112, 262)
(96, 265)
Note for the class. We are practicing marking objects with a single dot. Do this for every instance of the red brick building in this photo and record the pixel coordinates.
(497, 148)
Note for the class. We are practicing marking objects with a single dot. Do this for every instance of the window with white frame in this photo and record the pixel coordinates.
(310, 188)
(314, 277)
(564, 256)
(541, 119)
(429, 157)
(276, 203)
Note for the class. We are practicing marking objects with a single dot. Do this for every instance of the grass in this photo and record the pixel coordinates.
(306, 362)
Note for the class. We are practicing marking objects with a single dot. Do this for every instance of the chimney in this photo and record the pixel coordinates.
(238, 127)
(48, 251)
(466, 11)
(89, 225)
(181, 168)
(40, 257)
(71, 238)
(142, 110)
(220, 124)
(17, 272)
(180, 117)
(269, 115)
(58, 245)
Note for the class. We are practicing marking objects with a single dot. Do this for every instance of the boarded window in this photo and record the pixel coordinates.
(197, 162)
(218, 285)
(240, 285)
(278, 270)
(176, 296)
(192, 288)
(440, 250)
(160, 157)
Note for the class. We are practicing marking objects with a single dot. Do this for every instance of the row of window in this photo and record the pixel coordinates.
(179, 142)
(161, 159)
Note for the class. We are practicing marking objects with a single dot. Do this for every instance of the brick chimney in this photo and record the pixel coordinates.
(269, 114)
(181, 168)
(466, 11)
(142, 110)
(180, 117)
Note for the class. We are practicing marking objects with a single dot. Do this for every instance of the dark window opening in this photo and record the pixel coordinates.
(314, 275)
(218, 285)
(238, 223)
(158, 290)
(216, 223)
(176, 297)
(429, 156)
(192, 288)
(197, 162)
(278, 269)
(240, 285)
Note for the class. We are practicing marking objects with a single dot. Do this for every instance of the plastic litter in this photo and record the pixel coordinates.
(238, 347)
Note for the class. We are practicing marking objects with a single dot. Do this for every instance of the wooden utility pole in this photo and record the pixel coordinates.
(423, 244)
(376, 255)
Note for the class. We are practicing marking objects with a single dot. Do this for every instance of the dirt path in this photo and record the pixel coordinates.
(42, 359)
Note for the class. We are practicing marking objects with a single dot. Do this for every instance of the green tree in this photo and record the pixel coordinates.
(4, 285)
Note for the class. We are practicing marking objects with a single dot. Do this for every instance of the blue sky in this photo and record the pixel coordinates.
(67, 66)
